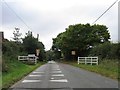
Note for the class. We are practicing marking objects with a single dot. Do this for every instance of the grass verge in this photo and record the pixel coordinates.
(108, 68)
(17, 70)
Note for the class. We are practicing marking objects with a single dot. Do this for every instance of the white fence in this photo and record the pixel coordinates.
(29, 58)
(86, 60)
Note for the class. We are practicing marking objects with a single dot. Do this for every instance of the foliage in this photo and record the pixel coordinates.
(53, 55)
(80, 38)
(12, 49)
(49, 55)
(31, 43)
(107, 50)
(17, 35)
(42, 54)
(12, 69)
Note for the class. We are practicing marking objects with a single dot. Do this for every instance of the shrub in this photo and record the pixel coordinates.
(106, 50)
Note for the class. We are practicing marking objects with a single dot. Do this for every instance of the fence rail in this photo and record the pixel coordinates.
(29, 58)
(86, 60)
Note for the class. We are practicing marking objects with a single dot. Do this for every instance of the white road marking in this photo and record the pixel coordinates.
(52, 78)
(51, 62)
(62, 80)
(56, 69)
(28, 81)
(38, 72)
(58, 75)
(35, 75)
(57, 72)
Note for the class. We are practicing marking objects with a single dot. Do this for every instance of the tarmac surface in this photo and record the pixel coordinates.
(58, 76)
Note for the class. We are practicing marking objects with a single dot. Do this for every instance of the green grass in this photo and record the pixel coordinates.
(108, 68)
(17, 70)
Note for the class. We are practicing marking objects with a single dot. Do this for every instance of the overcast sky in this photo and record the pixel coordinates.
(48, 18)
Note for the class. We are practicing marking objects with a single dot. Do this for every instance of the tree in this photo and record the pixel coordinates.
(80, 38)
(106, 50)
(17, 35)
(31, 43)
(49, 55)
(10, 48)
(42, 54)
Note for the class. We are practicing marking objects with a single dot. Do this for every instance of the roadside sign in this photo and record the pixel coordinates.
(37, 52)
(73, 52)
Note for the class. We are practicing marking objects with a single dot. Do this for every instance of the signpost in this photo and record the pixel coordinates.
(73, 54)
(37, 52)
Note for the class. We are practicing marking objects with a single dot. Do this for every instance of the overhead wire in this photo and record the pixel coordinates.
(30, 28)
(16, 14)
(105, 11)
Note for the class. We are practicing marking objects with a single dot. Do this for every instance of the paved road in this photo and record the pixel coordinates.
(58, 76)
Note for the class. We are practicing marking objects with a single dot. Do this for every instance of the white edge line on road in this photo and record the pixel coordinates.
(28, 81)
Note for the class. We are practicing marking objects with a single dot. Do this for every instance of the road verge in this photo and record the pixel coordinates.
(108, 68)
(17, 71)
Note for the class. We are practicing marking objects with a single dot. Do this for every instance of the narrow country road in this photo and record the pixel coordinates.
(58, 76)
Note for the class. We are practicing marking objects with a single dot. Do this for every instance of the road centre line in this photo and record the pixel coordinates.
(35, 75)
(37, 72)
(56, 69)
(57, 72)
(58, 75)
(52, 78)
(62, 80)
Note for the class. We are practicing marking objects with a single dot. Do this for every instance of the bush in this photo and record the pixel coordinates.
(106, 50)
(4, 67)
(10, 52)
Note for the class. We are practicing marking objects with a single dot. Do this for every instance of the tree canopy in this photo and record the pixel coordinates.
(12, 49)
(31, 43)
(80, 38)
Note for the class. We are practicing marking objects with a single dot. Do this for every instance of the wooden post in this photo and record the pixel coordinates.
(91, 60)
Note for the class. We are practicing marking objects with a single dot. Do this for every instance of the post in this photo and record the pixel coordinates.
(85, 60)
(97, 60)
(91, 60)
(78, 60)
(73, 53)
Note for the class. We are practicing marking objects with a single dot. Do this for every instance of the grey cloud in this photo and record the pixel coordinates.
(48, 24)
